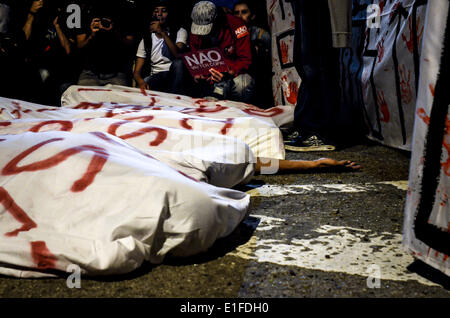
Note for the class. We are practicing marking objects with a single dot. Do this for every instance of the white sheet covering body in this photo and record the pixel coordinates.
(97, 202)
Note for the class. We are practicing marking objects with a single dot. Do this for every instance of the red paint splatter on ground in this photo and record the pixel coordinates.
(160, 137)
(65, 125)
(16, 211)
(95, 166)
(41, 255)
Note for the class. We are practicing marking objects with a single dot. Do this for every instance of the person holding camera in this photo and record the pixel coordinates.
(49, 48)
(157, 52)
(104, 52)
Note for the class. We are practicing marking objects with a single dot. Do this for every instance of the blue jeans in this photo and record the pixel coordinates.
(170, 81)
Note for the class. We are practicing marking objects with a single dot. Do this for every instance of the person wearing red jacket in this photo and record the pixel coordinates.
(212, 27)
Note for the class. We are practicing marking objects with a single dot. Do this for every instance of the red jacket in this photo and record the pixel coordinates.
(234, 40)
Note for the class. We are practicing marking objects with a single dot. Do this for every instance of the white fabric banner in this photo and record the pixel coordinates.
(427, 213)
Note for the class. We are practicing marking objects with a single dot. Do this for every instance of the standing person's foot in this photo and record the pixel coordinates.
(310, 143)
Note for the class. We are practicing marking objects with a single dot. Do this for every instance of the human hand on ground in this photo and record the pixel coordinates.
(332, 163)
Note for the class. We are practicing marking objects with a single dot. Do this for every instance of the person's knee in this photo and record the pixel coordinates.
(243, 87)
(177, 66)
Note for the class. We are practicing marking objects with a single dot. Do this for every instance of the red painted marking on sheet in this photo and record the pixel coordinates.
(178, 97)
(65, 125)
(271, 112)
(2, 140)
(94, 90)
(95, 166)
(153, 101)
(228, 125)
(41, 110)
(5, 124)
(380, 48)
(143, 92)
(87, 105)
(17, 110)
(142, 119)
(204, 109)
(184, 124)
(41, 255)
(160, 137)
(16, 211)
(189, 177)
(445, 258)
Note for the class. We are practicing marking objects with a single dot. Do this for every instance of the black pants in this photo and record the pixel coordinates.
(317, 63)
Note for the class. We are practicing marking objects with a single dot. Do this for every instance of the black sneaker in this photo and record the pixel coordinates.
(311, 143)
(290, 135)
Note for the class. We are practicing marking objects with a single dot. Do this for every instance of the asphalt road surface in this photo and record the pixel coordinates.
(327, 234)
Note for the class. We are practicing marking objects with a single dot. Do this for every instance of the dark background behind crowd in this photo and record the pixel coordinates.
(39, 55)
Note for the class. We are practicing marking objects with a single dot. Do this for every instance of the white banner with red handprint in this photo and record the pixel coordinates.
(391, 64)
(427, 213)
(93, 200)
(286, 81)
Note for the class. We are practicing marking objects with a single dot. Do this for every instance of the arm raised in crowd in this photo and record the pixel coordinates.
(63, 40)
(35, 7)
(84, 39)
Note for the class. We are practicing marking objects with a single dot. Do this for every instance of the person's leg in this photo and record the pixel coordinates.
(159, 81)
(120, 79)
(304, 165)
(242, 88)
(88, 78)
(181, 81)
(318, 65)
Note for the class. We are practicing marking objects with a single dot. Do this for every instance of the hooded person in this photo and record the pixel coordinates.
(213, 28)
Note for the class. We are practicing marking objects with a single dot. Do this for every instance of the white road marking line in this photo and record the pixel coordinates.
(269, 190)
(335, 249)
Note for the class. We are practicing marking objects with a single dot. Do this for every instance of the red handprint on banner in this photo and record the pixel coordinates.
(95, 166)
(293, 93)
(405, 84)
(410, 43)
(386, 116)
(284, 52)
